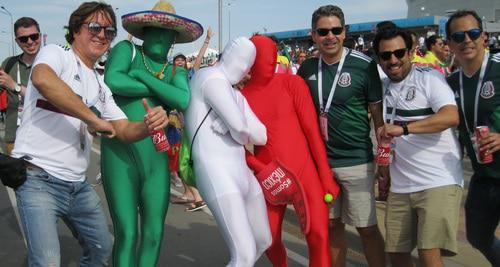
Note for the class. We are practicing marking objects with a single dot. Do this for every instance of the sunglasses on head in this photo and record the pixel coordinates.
(399, 53)
(334, 30)
(459, 37)
(24, 39)
(96, 28)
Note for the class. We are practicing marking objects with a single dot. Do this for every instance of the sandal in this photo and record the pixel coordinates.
(198, 205)
(181, 200)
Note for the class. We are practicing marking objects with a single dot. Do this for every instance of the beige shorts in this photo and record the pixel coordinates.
(427, 219)
(9, 147)
(356, 203)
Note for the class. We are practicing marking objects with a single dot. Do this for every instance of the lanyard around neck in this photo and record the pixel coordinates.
(335, 80)
(478, 89)
(100, 95)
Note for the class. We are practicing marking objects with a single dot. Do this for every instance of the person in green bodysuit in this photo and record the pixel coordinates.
(135, 176)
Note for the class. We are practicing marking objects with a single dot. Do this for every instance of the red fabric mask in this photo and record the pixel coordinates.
(265, 61)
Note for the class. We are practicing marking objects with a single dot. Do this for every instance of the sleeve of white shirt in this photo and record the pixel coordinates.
(53, 56)
(439, 92)
(111, 111)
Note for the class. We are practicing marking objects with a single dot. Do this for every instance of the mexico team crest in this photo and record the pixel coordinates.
(345, 79)
(410, 95)
(488, 90)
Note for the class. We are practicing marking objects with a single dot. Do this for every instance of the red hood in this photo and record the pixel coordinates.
(264, 66)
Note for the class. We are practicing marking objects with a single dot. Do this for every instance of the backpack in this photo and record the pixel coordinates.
(11, 62)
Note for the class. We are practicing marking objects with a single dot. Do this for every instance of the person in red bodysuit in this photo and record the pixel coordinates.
(282, 102)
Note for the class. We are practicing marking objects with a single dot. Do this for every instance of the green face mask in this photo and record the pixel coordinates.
(158, 40)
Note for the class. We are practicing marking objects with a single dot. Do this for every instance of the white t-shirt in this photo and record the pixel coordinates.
(422, 161)
(58, 143)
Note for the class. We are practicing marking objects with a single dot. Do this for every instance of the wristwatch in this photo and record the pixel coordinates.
(17, 88)
(404, 125)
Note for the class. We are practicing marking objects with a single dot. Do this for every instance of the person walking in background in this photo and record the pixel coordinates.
(426, 172)
(344, 84)
(14, 74)
(477, 92)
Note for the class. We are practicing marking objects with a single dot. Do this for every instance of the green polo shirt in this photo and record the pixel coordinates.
(488, 112)
(349, 142)
(13, 97)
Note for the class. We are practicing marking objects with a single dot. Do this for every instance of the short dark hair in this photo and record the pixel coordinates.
(390, 33)
(180, 56)
(327, 11)
(85, 10)
(431, 40)
(460, 14)
(385, 25)
(25, 22)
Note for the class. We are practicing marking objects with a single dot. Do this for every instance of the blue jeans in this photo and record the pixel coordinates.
(482, 214)
(42, 200)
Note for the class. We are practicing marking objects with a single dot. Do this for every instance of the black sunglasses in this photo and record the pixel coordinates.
(334, 30)
(24, 39)
(459, 37)
(96, 28)
(399, 53)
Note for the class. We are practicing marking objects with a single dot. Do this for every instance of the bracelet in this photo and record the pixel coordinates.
(404, 125)
(207, 42)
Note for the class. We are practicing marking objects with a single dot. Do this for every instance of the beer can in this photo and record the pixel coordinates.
(160, 141)
(484, 156)
(383, 157)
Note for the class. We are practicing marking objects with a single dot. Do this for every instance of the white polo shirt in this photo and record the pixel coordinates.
(56, 142)
(422, 161)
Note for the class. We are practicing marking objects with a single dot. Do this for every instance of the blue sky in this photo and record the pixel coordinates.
(247, 16)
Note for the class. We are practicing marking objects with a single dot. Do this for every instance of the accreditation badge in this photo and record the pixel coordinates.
(323, 125)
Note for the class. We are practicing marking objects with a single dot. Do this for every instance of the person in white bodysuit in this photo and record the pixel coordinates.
(223, 177)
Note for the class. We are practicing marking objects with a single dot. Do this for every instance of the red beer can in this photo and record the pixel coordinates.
(383, 157)
(160, 140)
(483, 132)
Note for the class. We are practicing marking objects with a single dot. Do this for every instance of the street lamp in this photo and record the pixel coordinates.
(229, 18)
(12, 29)
(220, 26)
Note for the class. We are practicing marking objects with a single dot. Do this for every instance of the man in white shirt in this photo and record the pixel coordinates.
(67, 103)
(426, 175)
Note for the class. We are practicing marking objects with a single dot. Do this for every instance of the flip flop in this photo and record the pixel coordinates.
(198, 205)
(180, 200)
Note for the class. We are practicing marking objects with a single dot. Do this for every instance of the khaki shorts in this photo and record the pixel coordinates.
(427, 219)
(356, 203)
(9, 147)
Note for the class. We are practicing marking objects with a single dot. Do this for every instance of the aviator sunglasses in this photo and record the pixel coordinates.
(96, 28)
(399, 53)
(473, 34)
(24, 39)
(334, 30)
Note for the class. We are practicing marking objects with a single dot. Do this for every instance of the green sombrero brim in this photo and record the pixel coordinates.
(188, 30)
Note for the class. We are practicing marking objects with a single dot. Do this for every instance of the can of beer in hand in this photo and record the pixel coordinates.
(383, 157)
(483, 156)
(160, 141)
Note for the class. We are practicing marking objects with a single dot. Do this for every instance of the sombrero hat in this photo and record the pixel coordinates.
(162, 16)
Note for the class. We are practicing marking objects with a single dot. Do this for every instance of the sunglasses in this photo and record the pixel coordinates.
(399, 53)
(24, 39)
(96, 28)
(334, 30)
(459, 37)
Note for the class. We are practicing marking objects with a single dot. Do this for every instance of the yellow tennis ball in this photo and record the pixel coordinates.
(328, 198)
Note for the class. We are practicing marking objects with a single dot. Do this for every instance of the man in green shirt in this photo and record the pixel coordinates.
(15, 73)
(343, 115)
(477, 92)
